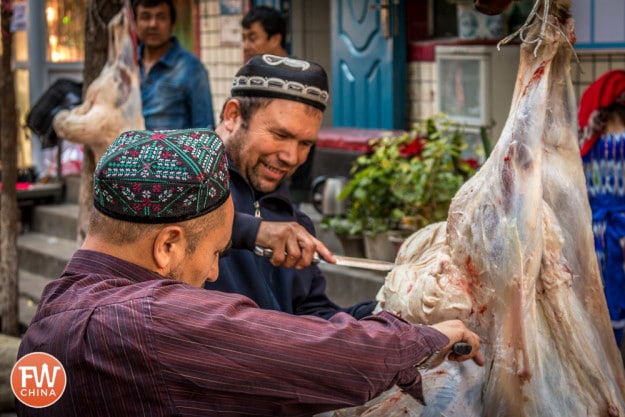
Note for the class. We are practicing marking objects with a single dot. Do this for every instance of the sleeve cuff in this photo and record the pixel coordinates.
(415, 390)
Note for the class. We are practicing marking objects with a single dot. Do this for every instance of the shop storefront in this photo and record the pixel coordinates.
(50, 44)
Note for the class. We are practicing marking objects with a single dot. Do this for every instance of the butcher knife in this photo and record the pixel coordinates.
(352, 262)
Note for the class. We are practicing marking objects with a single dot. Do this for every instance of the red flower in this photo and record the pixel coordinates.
(166, 154)
(133, 153)
(472, 162)
(157, 188)
(136, 187)
(412, 148)
(158, 136)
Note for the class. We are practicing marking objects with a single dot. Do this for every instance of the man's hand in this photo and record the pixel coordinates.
(456, 331)
(292, 245)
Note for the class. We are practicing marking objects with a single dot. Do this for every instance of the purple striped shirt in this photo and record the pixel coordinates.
(136, 344)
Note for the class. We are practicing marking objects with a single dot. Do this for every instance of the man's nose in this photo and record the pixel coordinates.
(289, 153)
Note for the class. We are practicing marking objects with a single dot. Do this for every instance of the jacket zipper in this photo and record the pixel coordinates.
(256, 209)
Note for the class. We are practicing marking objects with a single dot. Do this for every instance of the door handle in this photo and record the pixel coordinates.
(383, 7)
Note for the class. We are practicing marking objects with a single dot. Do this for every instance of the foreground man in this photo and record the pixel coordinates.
(268, 127)
(137, 335)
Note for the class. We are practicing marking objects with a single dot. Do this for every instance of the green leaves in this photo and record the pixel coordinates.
(414, 175)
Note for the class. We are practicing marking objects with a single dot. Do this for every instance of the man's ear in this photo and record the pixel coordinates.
(232, 115)
(275, 41)
(169, 248)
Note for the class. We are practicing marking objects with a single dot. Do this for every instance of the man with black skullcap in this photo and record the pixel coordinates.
(137, 336)
(268, 127)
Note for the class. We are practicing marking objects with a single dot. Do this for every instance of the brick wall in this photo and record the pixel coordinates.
(422, 92)
(222, 61)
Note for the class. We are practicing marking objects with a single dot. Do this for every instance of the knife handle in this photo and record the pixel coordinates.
(461, 348)
(268, 253)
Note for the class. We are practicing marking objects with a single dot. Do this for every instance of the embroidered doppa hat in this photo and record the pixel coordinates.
(282, 77)
(162, 177)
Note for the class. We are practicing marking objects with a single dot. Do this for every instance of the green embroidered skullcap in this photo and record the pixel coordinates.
(162, 177)
(282, 77)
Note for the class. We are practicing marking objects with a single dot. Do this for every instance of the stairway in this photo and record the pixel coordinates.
(45, 247)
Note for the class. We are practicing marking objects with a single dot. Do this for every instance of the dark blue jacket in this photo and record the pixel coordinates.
(284, 289)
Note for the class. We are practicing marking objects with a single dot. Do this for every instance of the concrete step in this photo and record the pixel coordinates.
(30, 289)
(28, 298)
(32, 285)
(348, 286)
(72, 188)
(44, 254)
(59, 220)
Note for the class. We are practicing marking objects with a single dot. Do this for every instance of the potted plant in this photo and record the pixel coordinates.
(430, 173)
(373, 207)
(405, 183)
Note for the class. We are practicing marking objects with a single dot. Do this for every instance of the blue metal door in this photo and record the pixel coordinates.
(368, 63)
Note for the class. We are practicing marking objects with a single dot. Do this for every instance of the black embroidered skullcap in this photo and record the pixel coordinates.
(162, 177)
(282, 77)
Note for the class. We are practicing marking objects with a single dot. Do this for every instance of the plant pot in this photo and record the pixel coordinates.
(353, 246)
(379, 246)
(396, 242)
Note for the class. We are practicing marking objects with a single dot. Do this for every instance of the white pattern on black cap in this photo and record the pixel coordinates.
(282, 77)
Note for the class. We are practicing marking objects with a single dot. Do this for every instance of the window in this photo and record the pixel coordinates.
(461, 84)
(66, 30)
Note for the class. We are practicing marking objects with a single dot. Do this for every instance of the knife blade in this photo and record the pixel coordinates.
(348, 261)
(363, 263)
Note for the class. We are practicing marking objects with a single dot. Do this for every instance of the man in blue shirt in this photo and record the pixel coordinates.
(175, 91)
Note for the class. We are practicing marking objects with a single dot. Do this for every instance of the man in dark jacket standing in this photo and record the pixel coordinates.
(268, 127)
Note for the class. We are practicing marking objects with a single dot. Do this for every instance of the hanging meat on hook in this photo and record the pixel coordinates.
(112, 103)
(515, 261)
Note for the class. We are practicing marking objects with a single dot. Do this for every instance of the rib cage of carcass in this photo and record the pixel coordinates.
(112, 103)
(515, 261)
